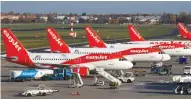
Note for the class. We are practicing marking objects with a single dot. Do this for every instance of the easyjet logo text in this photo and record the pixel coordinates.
(55, 37)
(187, 43)
(166, 42)
(92, 35)
(167, 47)
(11, 40)
(135, 32)
(139, 51)
(97, 57)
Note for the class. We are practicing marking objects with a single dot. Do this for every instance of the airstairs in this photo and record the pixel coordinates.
(108, 76)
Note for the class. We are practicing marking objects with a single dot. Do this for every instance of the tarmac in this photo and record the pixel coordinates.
(146, 87)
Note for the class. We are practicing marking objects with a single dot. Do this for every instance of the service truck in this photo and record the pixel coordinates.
(29, 74)
(59, 74)
(40, 74)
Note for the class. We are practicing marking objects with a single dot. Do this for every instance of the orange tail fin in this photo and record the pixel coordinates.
(134, 34)
(15, 52)
(183, 31)
(56, 42)
(93, 39)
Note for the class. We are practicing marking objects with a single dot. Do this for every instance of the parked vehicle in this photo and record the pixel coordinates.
(183, 60)
(140, 72)
(41, 90)
(29, 74)
(187, 70)
(161, 70)
(41, 74)
(128, 77)
(181, 79)
(59, 74)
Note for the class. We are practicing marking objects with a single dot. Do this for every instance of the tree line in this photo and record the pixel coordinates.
(165, 18)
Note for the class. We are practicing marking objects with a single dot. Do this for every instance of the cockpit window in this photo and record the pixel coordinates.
(122, 59)
(162, 52)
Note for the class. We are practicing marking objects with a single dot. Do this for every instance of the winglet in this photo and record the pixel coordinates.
(134, 34)
(56, 42)
(93, 39)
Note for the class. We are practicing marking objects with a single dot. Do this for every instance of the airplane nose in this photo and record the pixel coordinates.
(129, 64)
(166, 57)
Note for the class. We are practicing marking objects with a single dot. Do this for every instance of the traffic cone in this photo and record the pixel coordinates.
(78, 93)
(73, 93)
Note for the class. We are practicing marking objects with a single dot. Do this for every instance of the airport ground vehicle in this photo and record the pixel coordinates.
(181, 78)
(187, 70)
(59, 74)
(41, 90)
(140, 72)
(161, 70)
(41, 74)
(183, 60)
(127, 77)
(183, 84)
(29, 74)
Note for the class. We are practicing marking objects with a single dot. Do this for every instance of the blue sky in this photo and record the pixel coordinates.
(96, 6)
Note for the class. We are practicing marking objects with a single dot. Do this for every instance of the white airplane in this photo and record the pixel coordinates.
(16, 53)
(171, 49)
(136, 37)
(146, 54)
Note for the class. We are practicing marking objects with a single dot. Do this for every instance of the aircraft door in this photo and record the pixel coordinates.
(151, 56)
(110, 62)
